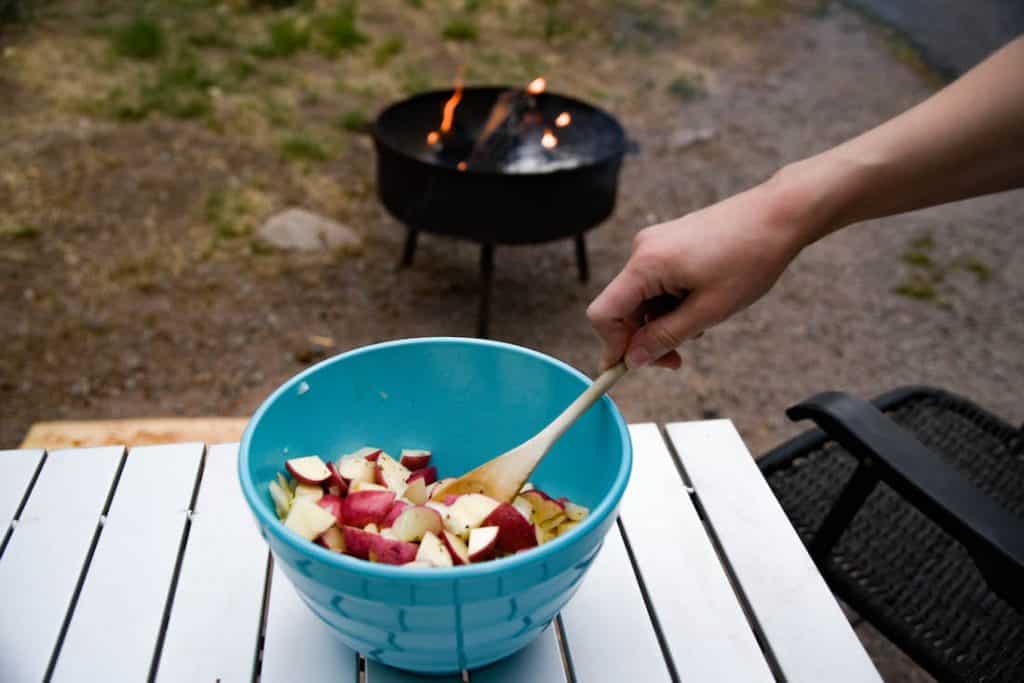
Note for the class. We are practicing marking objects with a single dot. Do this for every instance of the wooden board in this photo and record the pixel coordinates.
(213, 630)
(40, 568)
(801, 620)
(115, 627)
(703, 623)
(134, 432)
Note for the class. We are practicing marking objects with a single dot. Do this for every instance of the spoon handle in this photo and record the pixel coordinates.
(602, 384)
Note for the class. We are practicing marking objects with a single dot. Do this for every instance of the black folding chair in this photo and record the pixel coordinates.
(912, 506)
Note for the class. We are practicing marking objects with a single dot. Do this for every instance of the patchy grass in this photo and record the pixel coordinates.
(19, 231)
(554, 24)
(179, 89)
(387, 50)
(339, 28)
(285, 37)
(142, 38)
(927, 273)
(220, 38)
(688, 86)
(923, 242)
(234, 212)
(355, 121)
(259, 247)
(918, 258)
(460, 29)
(237, 72)
(414, 79)
(980, 269)
(917, 287)
(301, 147)
(904, 51)
(221, 212)
(277, 113)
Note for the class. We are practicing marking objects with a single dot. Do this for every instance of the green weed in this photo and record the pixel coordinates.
(285, 37)
(918, 258)
(354, 121)
(980, 269)
(413, 79)
(20, 231)
(300, 147)
(917, 288)
(923, 242)
(339, 28)
(142, 38)
(387, 50)
(461, 29)
(223, 211)
(179, 89)
(689, 86)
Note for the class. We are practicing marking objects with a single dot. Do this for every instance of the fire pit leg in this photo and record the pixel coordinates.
(486, 276)
(410, 248)
(581, 258)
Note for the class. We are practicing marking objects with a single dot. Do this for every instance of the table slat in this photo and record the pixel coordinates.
(801, 620)
(114, 630)
(43, 560)
(378, 673)
(608, 631)
(298, 646)
(16, 470)
(541, 660)
(213, 629)
(700, 616)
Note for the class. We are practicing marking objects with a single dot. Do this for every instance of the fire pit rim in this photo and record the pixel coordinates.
(616, 150)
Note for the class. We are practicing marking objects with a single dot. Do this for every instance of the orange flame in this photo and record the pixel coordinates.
(451, 104)
(563, 120)
(537, 86)
(549, 141)
(433, 137)
(461, 165)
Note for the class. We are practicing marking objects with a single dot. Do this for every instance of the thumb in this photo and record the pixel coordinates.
(666, 333)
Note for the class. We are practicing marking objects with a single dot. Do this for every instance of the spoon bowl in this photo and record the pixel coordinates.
(502, 477)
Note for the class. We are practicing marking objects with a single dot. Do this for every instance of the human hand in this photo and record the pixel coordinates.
(708, 265)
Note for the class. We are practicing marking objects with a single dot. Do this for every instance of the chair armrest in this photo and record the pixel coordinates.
(991, 534)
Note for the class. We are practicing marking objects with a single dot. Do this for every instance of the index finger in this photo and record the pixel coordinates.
(616, 314)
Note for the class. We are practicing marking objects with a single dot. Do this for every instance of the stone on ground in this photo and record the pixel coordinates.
(301, 230)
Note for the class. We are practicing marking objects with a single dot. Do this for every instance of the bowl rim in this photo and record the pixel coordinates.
(275, 526)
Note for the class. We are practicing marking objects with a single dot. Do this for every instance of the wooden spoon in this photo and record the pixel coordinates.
(502, 477)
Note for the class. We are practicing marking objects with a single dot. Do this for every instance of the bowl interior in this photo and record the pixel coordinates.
(465, 400)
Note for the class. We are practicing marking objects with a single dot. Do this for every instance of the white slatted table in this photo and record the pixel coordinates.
(146, 565)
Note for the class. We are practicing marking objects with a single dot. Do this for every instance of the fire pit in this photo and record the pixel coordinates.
(497, 166)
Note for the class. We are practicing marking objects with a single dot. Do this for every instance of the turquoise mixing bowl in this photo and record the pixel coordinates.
(466, 400)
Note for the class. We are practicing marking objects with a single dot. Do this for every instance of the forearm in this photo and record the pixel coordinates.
(965, 141)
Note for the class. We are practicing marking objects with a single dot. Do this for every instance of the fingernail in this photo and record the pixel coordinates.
(638, 357)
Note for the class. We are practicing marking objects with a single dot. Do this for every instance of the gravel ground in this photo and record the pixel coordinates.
(110, 314)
